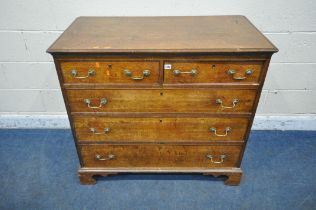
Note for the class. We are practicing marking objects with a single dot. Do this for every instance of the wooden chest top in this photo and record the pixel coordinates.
(220, 34)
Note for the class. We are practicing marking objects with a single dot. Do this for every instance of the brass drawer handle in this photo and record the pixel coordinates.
(108, 157)
(128, 73)
(233, 72)
(226, 130)
(103, 101)
(193, 72)
(74, 74)
(234, 102)
(222, 157)
(105, 131)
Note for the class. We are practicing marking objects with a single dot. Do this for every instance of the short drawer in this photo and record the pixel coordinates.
(160, 156)
(160, 129)
(167, 100)
(111, 72)
(212, 72)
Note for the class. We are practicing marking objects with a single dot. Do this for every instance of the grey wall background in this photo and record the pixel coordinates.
(29, 85)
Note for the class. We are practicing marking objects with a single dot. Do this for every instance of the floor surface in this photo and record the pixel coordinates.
(38, 171)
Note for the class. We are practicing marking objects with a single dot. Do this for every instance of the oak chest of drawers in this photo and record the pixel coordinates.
(161, 94)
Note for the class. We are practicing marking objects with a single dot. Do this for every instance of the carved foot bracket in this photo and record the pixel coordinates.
(233, 178)
(87, 178)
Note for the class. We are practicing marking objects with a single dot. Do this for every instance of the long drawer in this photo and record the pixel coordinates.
(162, 100)
(160, 156)
(160, 129)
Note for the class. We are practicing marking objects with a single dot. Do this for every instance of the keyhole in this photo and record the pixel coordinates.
(109, 66)
(213, 66)
(161, 93)
(160, 120)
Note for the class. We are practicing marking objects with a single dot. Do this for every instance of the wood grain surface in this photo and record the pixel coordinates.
(176, 100)
(159, 129)
(110, 72)
(212, 72)
(162, 34)
(159, 155)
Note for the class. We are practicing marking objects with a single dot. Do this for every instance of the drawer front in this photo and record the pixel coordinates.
(160, 129)
(176, 100)
(159, 156)
(212, 72)
(111, 72)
